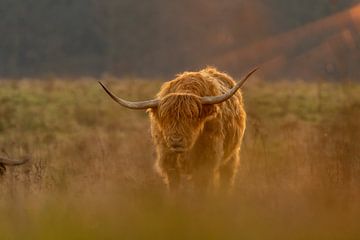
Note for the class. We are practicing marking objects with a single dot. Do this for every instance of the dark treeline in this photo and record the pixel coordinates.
(149, 38)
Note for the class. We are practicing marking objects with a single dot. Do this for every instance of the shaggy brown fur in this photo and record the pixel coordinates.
(199, 141)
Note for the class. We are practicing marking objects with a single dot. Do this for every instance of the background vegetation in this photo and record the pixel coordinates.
(153, 38)
(91, 174)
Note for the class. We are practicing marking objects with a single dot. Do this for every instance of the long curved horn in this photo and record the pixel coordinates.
(221, 98)
(132, 105)
(11, 162)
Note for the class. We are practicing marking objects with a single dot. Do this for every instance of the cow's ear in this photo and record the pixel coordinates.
(152, 110)
(209, 110)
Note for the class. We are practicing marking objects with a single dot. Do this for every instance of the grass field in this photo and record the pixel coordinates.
(91, 171)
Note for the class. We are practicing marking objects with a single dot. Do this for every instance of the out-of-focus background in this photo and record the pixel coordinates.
(158, 38)
(91, 173)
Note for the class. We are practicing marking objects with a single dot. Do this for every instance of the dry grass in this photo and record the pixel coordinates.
(91, 174)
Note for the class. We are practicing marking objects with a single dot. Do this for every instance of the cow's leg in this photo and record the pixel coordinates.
(168, 168)
(227, 172)
(203, 179)
(172, 179)
(206, 162)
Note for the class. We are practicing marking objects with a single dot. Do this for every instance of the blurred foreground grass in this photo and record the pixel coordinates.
(91, 174)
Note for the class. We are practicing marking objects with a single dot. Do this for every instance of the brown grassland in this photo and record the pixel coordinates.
(91, 172)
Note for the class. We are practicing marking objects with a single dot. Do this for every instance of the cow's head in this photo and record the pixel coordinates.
(180, 116)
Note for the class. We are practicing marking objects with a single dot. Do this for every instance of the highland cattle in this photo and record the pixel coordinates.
(197, 125)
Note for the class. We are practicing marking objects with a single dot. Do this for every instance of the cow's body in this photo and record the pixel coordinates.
(217, 135)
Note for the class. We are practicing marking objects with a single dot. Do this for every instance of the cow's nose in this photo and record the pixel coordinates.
(176, 142)
(176, 139)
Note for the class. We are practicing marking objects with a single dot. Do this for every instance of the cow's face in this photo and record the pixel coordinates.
(181, 118)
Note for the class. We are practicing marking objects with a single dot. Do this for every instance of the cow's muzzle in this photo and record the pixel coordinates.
(178, 149)
(177, 144)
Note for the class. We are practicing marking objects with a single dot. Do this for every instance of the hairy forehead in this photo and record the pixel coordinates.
(196, 83)
(180, 107)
